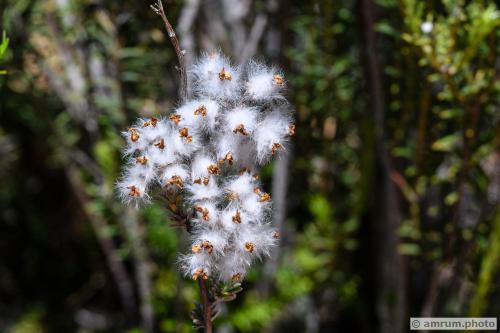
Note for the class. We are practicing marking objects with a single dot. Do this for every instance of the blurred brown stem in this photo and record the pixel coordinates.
(110, 252)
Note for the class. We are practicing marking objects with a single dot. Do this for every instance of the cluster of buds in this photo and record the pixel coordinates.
(207, 152)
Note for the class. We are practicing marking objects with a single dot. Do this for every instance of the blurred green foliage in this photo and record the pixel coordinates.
(3, 49)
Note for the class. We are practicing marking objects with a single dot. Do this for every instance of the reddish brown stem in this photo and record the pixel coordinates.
(207, 309)
(158, 9)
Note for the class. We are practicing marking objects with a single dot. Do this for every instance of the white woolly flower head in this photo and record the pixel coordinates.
(204, 188)
(205, 156)
(174, 175)
(242, 120)
(197, 115)
(215, 77)
(264, 83)
(271, 134)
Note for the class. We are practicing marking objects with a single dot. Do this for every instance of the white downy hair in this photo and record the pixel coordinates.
(263, 83)
(208, 151)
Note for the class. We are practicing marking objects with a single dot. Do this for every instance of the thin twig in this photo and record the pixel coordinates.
(207, 309)
(158, 9)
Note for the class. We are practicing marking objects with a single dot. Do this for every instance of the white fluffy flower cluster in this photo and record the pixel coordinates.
(208, 152)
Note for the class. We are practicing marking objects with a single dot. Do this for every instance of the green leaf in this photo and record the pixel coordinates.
(446, 143)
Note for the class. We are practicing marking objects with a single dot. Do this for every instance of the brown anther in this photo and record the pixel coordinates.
(278, 80)
(224, 75)
(161, 144)
(265, 197)
(276, 147)
(236, 277)
(228, 158)
(208, 246)
(203, 181)
(240, 129)
(249, 247)
(184, 133)
(176, 180)
(255, 176)
(291, 130)
(134, 191)
(242, 171)
(141, 160)
(213, 169)
(196, 248)
(201, 110)
(134, 135)
(257, 190)
(200, 272)
(276, 235)
(237, 217)
(153, 121)
(175, 118)
(204, 212)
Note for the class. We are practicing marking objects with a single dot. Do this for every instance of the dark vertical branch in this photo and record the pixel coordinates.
(389, 303)
(158, 9)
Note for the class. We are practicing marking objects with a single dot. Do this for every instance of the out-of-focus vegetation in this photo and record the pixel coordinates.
(392, 207)
(3, 48)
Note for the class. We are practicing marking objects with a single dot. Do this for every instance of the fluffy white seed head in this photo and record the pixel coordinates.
(210, 242)
(197, 265)
(206, 213)
(133, 189)
(215, 77)
(255, 241)
(264, 83)
(241, 186)
(205, 155)
(272, 133)
(206, 189)
(203, 166)
(242, 121)
(234, 267)
(174, 175)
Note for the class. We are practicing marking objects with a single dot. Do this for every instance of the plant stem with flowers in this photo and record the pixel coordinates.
(204, 158)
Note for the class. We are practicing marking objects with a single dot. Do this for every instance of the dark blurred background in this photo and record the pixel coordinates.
(388, 202)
